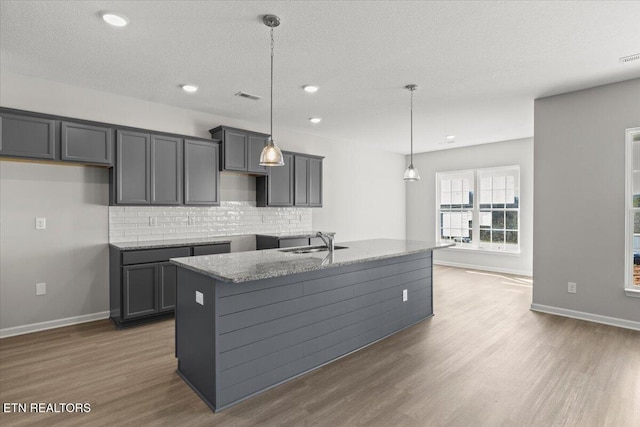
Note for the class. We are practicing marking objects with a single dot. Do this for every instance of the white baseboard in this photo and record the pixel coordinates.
(484, 268)
(597, 318)
(58, 323)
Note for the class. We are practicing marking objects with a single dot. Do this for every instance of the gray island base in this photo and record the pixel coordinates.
(248, 321)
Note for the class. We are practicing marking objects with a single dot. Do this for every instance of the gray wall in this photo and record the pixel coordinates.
(579, 199)
(355, 177)
(421, 201)
(70, 255)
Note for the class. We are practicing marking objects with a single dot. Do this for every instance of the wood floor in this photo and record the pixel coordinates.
(485, 359)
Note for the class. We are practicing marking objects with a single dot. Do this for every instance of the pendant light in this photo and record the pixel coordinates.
(271, 154)
(411, 174)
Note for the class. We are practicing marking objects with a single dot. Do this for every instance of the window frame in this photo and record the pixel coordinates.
(630, 289)
(476, 245)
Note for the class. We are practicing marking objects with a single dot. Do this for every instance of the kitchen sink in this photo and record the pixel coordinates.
(311, 249)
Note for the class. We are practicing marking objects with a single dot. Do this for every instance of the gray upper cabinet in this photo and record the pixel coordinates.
(86, 144)
(240, 149)
(308, 181)
(201, 173)
(297, 183)
(315, 182)
(256, 144)
(23, 136)
(301, 185)
(166, 170)
(132, 168)
(276, 189)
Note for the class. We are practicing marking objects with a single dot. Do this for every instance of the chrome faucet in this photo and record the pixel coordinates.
(328, 241)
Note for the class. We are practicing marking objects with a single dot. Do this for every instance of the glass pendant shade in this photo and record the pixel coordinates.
(411, 174)
(271, 155)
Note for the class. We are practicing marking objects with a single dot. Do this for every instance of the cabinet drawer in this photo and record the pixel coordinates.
(154, 255)
(289, 243)
(222, 248)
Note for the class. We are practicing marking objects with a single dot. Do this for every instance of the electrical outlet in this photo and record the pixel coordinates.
(200, 298)
(192, 220)
(572, 287)
(405, 295)
(41, 289)
(153, 221)
(41, 223)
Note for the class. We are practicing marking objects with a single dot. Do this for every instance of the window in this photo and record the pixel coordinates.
(490, 221)
(632, 192)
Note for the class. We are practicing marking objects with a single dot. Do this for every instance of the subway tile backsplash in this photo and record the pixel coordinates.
(141, 223)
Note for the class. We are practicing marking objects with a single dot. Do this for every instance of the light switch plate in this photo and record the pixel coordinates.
(41, 289)
(41, 223)
(199, 298)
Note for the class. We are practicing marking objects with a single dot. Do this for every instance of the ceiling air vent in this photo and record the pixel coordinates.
(630, 58)
(242, 94)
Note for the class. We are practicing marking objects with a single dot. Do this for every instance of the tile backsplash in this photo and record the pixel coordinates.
(141, 223)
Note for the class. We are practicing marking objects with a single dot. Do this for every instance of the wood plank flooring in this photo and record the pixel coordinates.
(485, 359)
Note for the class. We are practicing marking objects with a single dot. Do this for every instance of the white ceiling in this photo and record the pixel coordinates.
(479, 65)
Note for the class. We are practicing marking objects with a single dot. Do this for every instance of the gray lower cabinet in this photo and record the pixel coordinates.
(140, 290)
(86, 144)
(167, 276)
(273, 242)
(30, 137)
(142, 282)
(241, 149)
(202, 175)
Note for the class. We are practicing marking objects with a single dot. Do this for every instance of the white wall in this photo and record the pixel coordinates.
(421, 201)
(364, 196)
(579, 153)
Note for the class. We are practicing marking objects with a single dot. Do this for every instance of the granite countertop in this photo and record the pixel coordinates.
(242, 267)
(154, 244)
(291, 235)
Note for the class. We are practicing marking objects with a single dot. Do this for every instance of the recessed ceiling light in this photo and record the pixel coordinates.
(450, 136)
(115, 19)
(189, 88)
(310, 88)
(315, 119)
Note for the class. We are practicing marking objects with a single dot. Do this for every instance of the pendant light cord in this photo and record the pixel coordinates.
(271, 120)
(412, 127)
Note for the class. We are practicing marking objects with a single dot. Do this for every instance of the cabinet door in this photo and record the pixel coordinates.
(301, 184)
(235, 150)
(166, 170)
(139, 290)
(256, 144)
(132, 168)
(167, 278)
(201, 181)
(280, 183)
(315, 182)
(85, 144)
(27, 137)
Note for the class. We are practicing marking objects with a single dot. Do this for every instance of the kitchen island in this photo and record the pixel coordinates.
(248, 321)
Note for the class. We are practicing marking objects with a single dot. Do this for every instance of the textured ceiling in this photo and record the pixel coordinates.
(479, 65)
